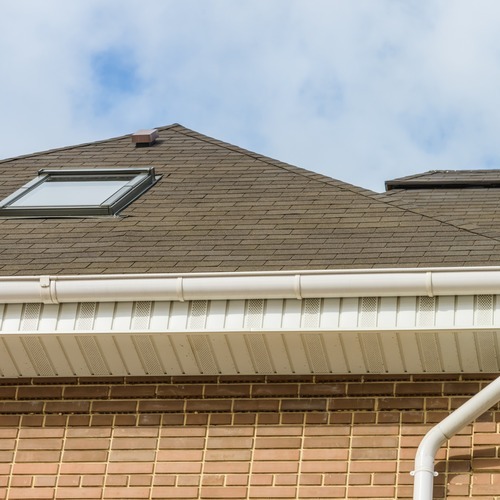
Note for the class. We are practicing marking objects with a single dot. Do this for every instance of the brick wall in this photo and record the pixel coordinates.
(238, 437)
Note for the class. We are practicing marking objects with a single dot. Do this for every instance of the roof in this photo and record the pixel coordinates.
(468, 199)
(446, 178)
(219, 208)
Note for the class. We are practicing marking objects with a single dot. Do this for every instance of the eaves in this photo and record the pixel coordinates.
(385, 321)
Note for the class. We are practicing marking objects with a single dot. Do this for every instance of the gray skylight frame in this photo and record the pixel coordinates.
(140, 180)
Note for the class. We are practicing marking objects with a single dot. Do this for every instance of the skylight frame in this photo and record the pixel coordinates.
(139, 180)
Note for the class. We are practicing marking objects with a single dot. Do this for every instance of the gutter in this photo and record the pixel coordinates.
(259, 285)
(424, 461)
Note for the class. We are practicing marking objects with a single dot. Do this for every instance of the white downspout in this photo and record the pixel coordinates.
(446, 429)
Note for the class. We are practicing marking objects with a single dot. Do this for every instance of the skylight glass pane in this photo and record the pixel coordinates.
(70, 193)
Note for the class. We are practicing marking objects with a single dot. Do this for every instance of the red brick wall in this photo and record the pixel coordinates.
(238, 437)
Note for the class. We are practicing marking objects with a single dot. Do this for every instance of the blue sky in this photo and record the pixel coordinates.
(360, 90)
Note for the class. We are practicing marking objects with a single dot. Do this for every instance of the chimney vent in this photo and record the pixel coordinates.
(143, 138)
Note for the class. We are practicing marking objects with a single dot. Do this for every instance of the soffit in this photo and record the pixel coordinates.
(311, 336)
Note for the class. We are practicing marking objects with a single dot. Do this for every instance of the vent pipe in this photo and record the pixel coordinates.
(146, 137)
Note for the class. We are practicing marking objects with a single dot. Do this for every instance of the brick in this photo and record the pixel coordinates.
(35, 493)
(419, 388)
(373, 454)
(191, 480)
(182, 443)
(371, 492)
(323, 467)
(84, 432)
(183, 431)
(227, 391)
(322, 390)
(326, 442)
(178, 467)
(277, 442)
(352, 404)
(311, 479)
(374, 442)
(458, 388)
(136, 443)
(86, 392)
(401, 403)
(40, 444)
(303, 405)
(130, 468)
(272, 492)
(40, 433)
(261, 480)
(129, 455)
(21, 407)
(179, 391)
(229, 442)
(368, 389)
(33, 456)
(39, 392)
(276, 431)
(161, 406)
(114, 406)
(133, 391)
(236, 480)
(226, 468)
(274, 390)
(256, 405)
(208, 405)
(129, 492)
(325, 454)
(85, 456)
(161, 492)
(360, 479)
(67, 407)
(226, 492)
(79, 493)
(321, 492)
(35, 468)
(87, 443)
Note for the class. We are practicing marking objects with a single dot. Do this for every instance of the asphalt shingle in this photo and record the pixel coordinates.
(220, 208)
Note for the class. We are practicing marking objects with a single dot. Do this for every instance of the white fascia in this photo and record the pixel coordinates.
(257, 285)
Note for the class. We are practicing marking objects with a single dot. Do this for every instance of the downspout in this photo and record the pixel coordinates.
(445, 430)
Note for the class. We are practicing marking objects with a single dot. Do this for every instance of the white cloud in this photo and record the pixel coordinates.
(362, 91)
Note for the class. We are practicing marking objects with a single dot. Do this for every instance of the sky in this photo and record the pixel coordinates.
(360, 90)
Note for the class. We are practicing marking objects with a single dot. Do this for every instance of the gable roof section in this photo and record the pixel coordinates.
(219, 208)
(468, 199)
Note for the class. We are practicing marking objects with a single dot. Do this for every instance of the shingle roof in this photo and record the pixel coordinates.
(221, 208)
(468, 199)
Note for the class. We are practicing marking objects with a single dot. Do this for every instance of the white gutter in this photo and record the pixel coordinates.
(283, 285)
(446, 429)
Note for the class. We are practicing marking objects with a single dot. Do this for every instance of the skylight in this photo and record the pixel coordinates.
(74, 193)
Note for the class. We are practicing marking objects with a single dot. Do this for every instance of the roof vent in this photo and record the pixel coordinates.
(143, 138)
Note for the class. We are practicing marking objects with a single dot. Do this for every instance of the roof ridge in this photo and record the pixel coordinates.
(277, 163)
(80, 145)
(372, 195)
